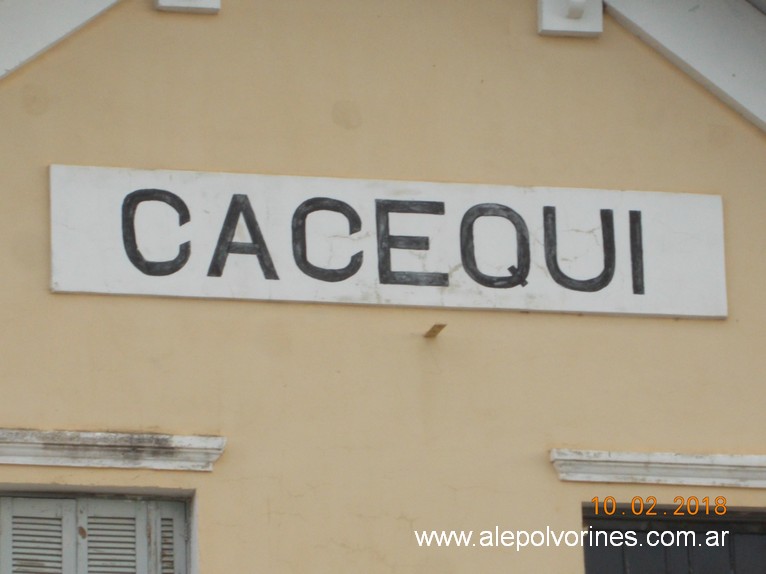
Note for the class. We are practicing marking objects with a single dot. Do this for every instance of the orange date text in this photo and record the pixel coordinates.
(647, 506)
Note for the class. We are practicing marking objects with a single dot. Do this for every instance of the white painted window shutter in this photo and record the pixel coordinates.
(173, 542)
(111, 537)
(92, 536)
(37, 535)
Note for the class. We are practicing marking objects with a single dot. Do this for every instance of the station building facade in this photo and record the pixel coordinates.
(304, 422)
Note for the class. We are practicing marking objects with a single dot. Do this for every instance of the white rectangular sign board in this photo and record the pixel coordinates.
(284, 238)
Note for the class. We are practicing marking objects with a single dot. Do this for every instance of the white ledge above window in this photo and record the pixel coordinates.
(743, 471)
(110, 450)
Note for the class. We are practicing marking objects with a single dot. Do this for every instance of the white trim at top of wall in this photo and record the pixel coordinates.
(109, 450)
(29, 27)
(720, 43)
(743, 471)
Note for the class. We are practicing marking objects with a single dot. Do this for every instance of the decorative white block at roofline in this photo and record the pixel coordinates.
(570, 17)
(198, 6)
(110, 450)
(742, 471)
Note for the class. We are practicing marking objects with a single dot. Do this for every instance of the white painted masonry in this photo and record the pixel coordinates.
(30, 27)
(720, 44)
(745, 471)
(109, 450)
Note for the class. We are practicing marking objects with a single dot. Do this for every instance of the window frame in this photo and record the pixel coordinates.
(738, 521)
(77, 507)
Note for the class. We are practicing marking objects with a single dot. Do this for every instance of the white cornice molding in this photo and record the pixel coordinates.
(109, 450)
(720, 44)
(743, 471)
(29, 27)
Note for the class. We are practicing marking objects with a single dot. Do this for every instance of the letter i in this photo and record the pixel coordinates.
(637, 252)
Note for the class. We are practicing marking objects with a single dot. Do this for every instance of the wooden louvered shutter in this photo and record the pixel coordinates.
(170, 550)
(92, 536)
(112, 537)
(131, 537)
(37, 536)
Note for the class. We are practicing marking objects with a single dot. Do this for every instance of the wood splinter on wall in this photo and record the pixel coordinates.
(435, 329)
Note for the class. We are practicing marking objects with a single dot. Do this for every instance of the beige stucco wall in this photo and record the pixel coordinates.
(347, 429)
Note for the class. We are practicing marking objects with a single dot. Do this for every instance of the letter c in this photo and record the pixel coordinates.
(129, 206)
